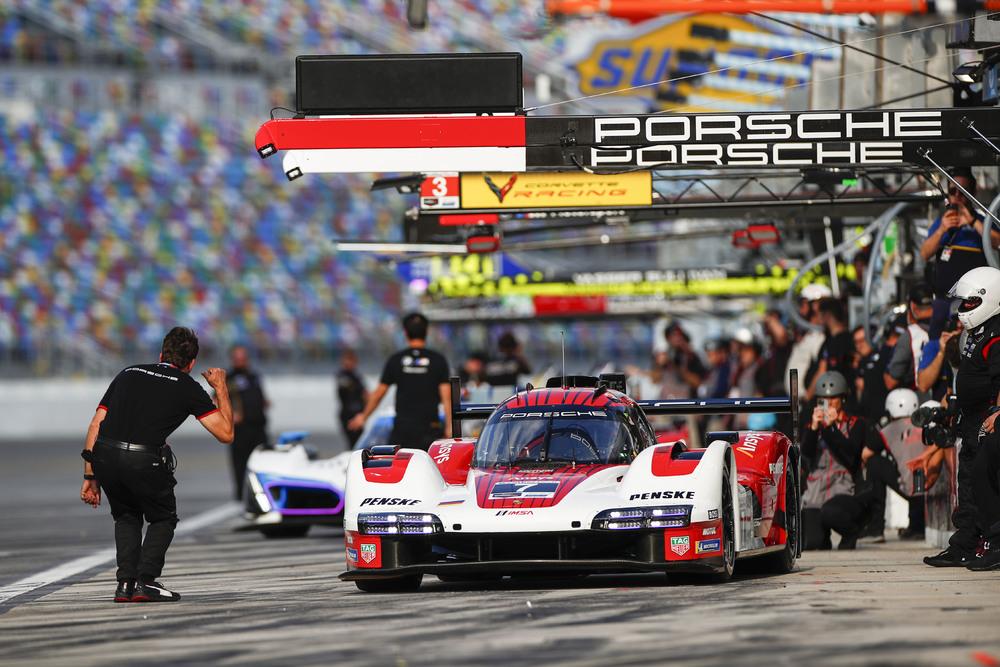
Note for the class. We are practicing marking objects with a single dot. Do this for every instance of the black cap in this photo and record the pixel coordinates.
(922, 294)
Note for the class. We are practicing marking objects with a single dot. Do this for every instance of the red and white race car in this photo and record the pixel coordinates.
(571, 479)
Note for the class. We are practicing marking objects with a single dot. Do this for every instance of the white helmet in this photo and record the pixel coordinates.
(901, 403)
(815, 292)
(979, 290)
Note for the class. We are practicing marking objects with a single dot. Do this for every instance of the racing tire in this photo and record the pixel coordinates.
(783, 562)
(728, 530)
(407, 584)
(282, 532)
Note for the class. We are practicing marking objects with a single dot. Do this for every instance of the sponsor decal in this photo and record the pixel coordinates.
(388, 501)
(709, 531)
(713, 514)
(680, 544)
(750, 443)
(707, 546)
(352, 555)
(514, 513)
(554, 413)
(349, 538)
(532, 489)
(443, 453)
(663, 495)
(369, 552)
(571, 190)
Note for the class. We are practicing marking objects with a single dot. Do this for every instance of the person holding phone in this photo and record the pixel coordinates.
(955, 239)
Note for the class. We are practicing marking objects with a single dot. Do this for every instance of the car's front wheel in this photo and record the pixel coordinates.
(406, 584)
(728, 529)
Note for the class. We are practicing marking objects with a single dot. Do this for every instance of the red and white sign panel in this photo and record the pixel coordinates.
(440, 191)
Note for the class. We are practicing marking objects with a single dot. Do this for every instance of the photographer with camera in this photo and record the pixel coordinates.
(978, 390)
(955, 239)
(848, 472)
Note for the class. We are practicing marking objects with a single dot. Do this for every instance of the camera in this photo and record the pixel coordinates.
(938, 424)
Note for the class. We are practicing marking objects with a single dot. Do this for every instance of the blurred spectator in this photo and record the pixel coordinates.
(684, 370)
(955, 238)
(804, 356)
(511, 365)
(837, 351)
(902, 366)
(940, 356)
(249, 414)
(351, 393)
(906, 443)
(720, 371)
(771, 379)
(745, 376)
(836, 446)
(871, 391)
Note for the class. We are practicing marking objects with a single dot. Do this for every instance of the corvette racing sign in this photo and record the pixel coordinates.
(556, 190)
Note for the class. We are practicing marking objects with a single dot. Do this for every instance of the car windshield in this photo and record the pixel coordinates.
(559, 434)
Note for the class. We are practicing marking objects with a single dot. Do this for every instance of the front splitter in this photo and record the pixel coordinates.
(710, 565)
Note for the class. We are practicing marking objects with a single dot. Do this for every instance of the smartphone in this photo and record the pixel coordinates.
(950, 207)
(822, 404)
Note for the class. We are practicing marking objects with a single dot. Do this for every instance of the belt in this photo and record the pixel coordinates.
(128, 446)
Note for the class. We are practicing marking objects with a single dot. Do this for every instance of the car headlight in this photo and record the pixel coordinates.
(399, 523)
(636, 518)
(258, 493)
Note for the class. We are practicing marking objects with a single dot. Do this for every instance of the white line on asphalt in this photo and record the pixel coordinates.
(84, 563)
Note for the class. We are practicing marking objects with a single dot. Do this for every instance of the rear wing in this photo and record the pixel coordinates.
(709, 406)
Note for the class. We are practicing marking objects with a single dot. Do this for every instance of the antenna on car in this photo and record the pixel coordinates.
(562, 334)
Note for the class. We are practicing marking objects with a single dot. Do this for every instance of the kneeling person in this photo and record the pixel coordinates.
(126, 456)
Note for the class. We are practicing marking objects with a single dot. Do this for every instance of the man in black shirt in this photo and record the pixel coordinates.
(127, 458)
(871, 366)
(421, 379)
(837, 350)
(505, 371)
(249, 414)
(352, 394)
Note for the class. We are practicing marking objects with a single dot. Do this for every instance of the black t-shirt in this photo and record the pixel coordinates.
(417, 374)
(871, 370)
(505, 371)
(245, 388)
(351, 392)
(978, 380)
(838, 351)
(147, 402)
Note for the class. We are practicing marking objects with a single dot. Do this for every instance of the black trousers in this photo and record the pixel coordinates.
(849, 515)
(138, 486)
(966, 537)
(246, 437)
(415, 435)
(986, 486)
(352, 436)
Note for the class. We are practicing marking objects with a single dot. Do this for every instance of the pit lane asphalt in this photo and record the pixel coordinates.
(248, 600)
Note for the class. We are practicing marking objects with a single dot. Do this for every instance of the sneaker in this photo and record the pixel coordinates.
(909, 534)
(153, 592)
(125, 591)
(990, 560)
(950, 557)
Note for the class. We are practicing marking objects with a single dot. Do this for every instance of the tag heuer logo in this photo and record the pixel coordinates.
(680, 545)
(368, 552)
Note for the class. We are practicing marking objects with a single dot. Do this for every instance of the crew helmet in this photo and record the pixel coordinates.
(901, 403)
(979, 290)
(831, 384)
(815, 292)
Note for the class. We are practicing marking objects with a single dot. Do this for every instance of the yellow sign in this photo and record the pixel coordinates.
(562, 190)
(701, 62)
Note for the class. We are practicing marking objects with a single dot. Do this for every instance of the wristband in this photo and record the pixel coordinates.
(89, 477)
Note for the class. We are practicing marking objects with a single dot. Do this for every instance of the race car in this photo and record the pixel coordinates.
(571, 479)
(290, 488)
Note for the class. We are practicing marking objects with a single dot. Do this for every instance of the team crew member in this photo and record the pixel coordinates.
(901, 370)
(955, 239)
(505, 371)
(986, 484)
(126, 456)
(978, 389)
(249, 414)
(421, 378)
(352, 394)
(837, 446)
